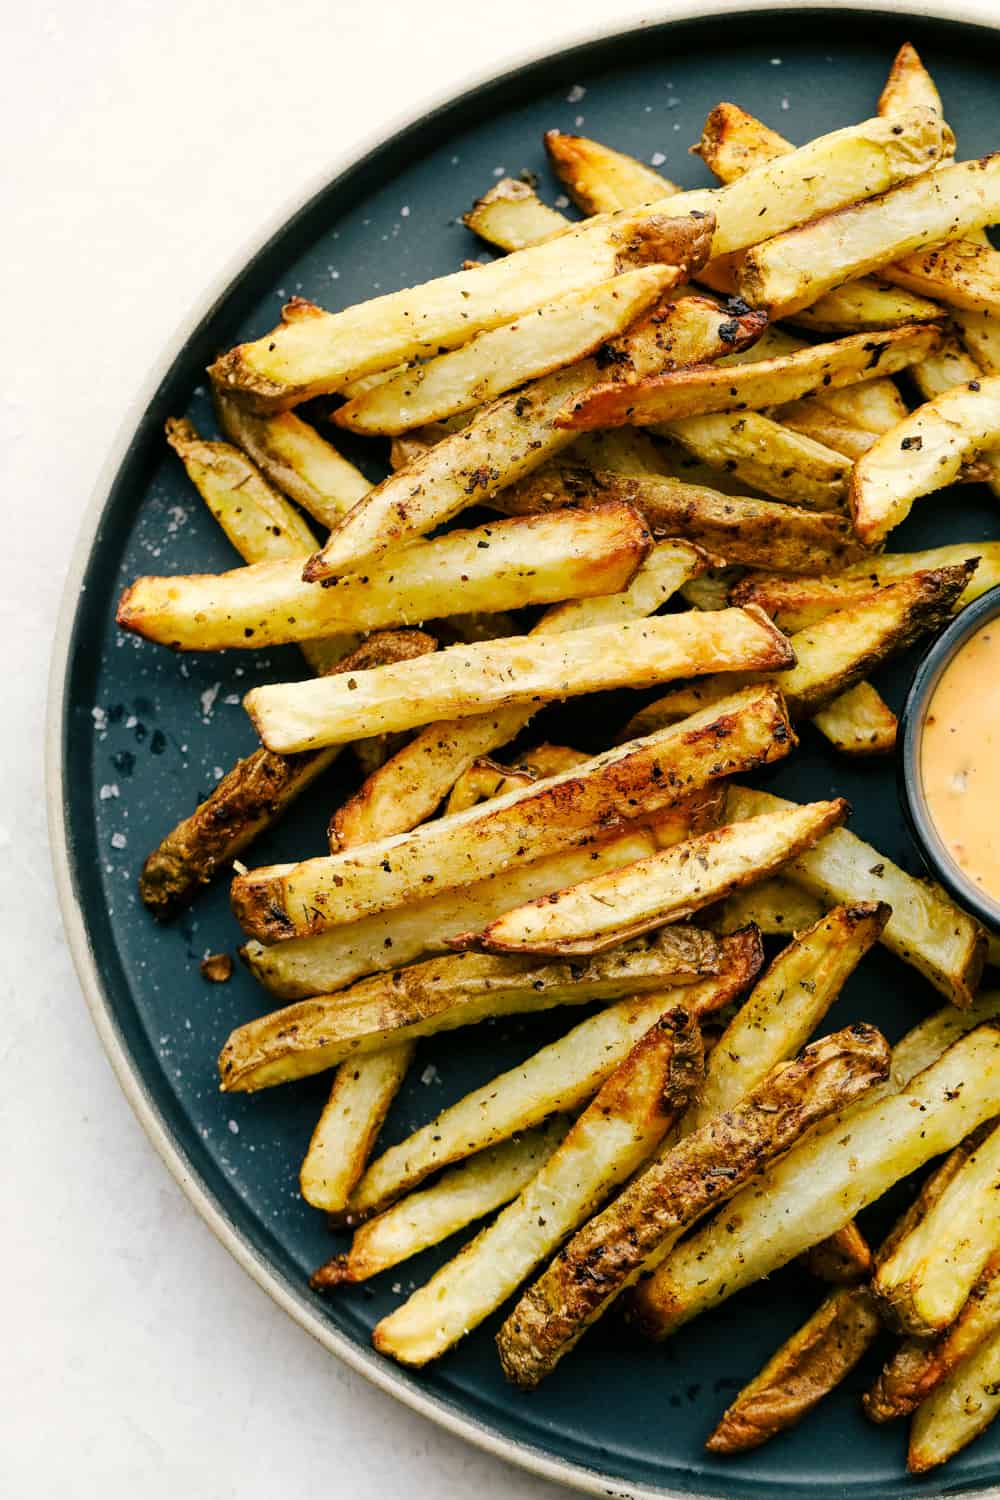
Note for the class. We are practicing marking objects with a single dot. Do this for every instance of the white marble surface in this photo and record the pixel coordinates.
(145, 142)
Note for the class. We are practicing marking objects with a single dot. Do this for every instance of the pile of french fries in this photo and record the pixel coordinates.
(681, 410)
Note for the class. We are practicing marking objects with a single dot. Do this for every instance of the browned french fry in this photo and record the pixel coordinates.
(512, 216)
(858, 722)
(842, 1259)
(760, 454)
(600, 180)
(778, 907)
(958, 1411)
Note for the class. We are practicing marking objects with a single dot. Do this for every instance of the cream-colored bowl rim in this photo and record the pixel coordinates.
(298, 1306)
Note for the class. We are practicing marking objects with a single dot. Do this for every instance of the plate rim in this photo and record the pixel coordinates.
(365, 1362)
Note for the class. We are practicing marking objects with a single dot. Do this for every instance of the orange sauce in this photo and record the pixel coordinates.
(960, 758)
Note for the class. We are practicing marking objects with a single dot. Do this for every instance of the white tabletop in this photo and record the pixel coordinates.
(145, 143)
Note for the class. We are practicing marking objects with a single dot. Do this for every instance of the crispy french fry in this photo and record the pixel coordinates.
(733, 142)
(624, 450)
(952, 365)
(919, 1366)
(484, 779)
(318, 355)
(817, 421)
(464, 1193)
(444, 993)
(923, 453)
(578, 807)
(512, 216)
(958, 1411)
(293, 456)
(908, 84)
(778, 907)
(825, 1182)
(925, 928)
(962, 273)
(495, 567)
(519, 670)
(875, 405)
(737, 527)
(349, 1125)
(858, 722)
(762, 455)
(536, 343)
(703, 390)
(836, 653)
(794, 604)
(561, 1076)
(600, 180)
(786, 1005)
(797, 1376)
(981, 335)
(923, 1285)
(611, 1139)
(703, 1170)
(664, 887)
(843, 1259)
(796, 267)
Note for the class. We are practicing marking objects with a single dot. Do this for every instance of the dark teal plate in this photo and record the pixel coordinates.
(138, 735)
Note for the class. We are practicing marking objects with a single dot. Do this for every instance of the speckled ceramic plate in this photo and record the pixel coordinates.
(137, 735)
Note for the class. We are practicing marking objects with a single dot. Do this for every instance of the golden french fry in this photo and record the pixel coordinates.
(760, 454)
(512, 216)
(349, 1125)
(958, 1411)
(843, 1259)
(664, 887)
(812, 418)
(777, 906)
(518, 670)
(908, 84)
(600, 180)
(858, 722)
(980, 333)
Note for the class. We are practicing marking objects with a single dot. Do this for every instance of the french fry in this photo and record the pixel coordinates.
(797, 1376)
(624, 450)
(705, 1169)
(512, 216)
(519, 670)
(484, 779)
(733, 143)
(858, 722)
(294, 457)
(962, 273)
(412, 784)
(579, 807)
(600, 180)
(908, 84)
(925, 929)
(842, 1260)
(348, 1128)
(561, 1077)
(958, 1411)
(762, 455)
(922, 454)
(795, 268)
(549, 337)
(777, 906)
(923, 1285)
(865, 304)
(836, 653)
(501, 565)
(825, 1182)
(875, 405)
(464, 1193)
(817, 421)
(320, 354)
(786, 1005)
(703, 390)
(737, 527)
(981, 335)
(611, 1139)
(919, 1366)
(250, 798)
(795, 604)
(664, 887)
(442, 994)
(952, 365)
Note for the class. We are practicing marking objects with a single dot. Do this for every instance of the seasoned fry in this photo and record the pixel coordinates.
(958, 1411)
(801, 1372)
(561, 1076)
(762, 455)
(294, 457)
(920, 1366)
(733, 142)
(611, 1139)
(512, 216)
(461, 1195)
(923, 453)
(548, 338)
(349, 1125)
(629, 783)
(963, 273)
(795, 268)
(858, 722)
(875, 405)
(318, 355)
(834, 654)
(813, 419)
(600, 180)
(864, 304)
(825, 1182)
(925, 928)
(908, 84)
(786, 1005)
(444, 993)
(499, 566)
(518, 670)
(923, 1285)
(778, 907)
(665, 887)
(484, 779)
(705, 389)
(842, 1259)
(705, 1169)
(981, 335)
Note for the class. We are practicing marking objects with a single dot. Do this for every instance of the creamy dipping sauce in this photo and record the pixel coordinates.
(960, 758)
